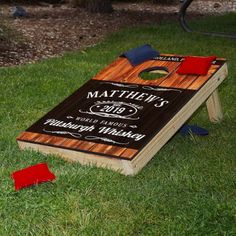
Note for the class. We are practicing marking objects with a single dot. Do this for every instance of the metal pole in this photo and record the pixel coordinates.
(185, 26)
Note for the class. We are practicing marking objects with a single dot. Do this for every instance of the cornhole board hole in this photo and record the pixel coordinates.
(119, 121)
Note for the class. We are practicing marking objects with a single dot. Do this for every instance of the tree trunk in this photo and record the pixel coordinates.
(99, 6)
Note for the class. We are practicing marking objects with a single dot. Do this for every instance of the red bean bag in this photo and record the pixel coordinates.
(195, 65)
(32, 175)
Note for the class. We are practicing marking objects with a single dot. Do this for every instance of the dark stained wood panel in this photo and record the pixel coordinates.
(119, 114)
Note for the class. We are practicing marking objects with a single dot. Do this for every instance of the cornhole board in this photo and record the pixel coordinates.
(119, 121)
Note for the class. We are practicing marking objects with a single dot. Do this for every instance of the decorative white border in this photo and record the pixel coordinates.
(122, 85)
(70, 117)
(104, 139)
(133, 126)
(116, 103)
(75, 135)
(161, 89)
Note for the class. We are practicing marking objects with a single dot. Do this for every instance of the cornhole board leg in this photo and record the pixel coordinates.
(214, 107)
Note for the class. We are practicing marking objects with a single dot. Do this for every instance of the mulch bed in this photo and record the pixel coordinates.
(49, 30)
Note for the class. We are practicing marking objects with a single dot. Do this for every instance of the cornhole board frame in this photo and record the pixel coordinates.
(119, 121)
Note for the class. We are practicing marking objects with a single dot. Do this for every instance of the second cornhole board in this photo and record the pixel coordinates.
(118, 120)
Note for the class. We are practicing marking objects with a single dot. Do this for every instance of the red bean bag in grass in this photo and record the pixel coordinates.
(32, 175)
(195, 65)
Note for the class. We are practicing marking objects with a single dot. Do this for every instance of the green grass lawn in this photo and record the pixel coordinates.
(188, 188)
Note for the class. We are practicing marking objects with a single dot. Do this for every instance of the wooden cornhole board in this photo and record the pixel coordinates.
(118, 120)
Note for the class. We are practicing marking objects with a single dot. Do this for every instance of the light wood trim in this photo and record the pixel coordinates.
(214, 107)
(75, 156)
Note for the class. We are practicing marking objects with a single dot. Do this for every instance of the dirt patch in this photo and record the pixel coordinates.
(50, 31)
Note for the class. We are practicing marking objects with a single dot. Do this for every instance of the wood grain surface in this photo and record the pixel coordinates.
(122, 71)
(74, 144)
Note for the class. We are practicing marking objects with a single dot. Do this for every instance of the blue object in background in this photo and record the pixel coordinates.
(19, 11)
(140, 54)
(193, 129)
